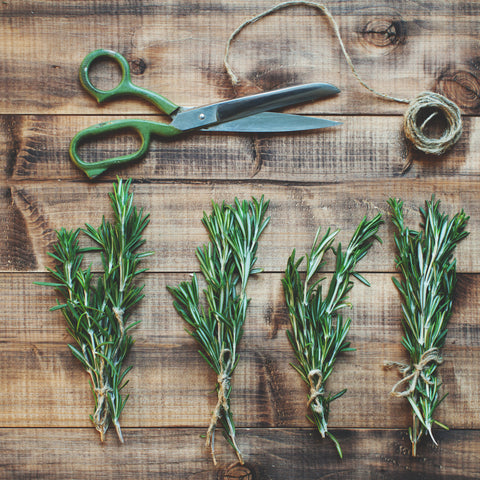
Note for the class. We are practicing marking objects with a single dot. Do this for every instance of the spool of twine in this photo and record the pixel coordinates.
(426, 103)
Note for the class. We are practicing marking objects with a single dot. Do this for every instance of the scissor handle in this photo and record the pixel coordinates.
(125, 87)
(144, 129)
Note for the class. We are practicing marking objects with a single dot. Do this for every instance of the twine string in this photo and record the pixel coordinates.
(102, 392)
(440, 104)
(316, 391)
(335, 27)
(100, 415)
(411, 373)
(223, 382)
(426, 100)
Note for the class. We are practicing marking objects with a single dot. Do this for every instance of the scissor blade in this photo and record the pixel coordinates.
(271, 122)
(228, 110)
(262, 102)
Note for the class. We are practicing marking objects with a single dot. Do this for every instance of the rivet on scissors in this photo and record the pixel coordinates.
(201, 116)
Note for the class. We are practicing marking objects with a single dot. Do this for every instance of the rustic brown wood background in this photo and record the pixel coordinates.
(330, 178)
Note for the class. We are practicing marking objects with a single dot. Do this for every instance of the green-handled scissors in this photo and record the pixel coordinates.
(243, 115)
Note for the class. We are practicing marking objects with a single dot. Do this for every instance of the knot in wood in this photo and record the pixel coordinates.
(238, 471)
(384, 32)
(138, 66)
(462, 86)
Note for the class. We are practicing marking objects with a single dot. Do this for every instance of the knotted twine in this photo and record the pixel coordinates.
(411, 373)
(316, 391)
(100, 416)
(422, 103)
(223, 381)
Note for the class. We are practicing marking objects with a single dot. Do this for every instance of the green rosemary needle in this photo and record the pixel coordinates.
(318, 332)
(425, 260)
(226, 264)
(98, 313)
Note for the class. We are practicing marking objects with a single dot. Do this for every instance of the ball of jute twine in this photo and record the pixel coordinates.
(431, 102)
(414, 132)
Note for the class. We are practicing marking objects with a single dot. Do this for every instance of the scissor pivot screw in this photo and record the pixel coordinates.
(201, 116)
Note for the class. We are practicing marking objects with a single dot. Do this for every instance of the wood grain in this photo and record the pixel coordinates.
(181, 44)
(179, 453)
(43, 381)
(32, 212)
(331, 178)
(364, 147)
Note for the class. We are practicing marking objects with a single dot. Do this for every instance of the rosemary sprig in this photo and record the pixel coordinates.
(425, 260)
(226, 264)
(318, 332)
(97, 315)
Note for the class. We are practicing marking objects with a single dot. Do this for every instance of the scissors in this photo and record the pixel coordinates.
(250, 114)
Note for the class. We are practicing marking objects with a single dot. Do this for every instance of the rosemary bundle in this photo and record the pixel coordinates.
(319, 332)
(226, 263)
(97, 313)
(425, 260)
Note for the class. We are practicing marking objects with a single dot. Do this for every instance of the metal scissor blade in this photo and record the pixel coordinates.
(271, 122)
(228, 110)
(262, 102)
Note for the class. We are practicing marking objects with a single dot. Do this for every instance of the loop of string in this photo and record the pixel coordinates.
(102, 392)
(426, 100)
(316, 391)
(438, 103)
(105, 388)
(223, 381)
(100, 416)
(411, 373)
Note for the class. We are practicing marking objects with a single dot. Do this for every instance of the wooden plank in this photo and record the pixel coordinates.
(170, 385)
(179, 453)
(366, 147)
(30, 212)
(331, 178)
(176, 48)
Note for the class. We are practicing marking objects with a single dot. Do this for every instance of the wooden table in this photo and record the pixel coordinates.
(329, 178)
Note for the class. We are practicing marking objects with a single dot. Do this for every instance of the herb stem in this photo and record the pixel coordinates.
(425, 260)
(227, 263)
(97, 315)
(318, 332)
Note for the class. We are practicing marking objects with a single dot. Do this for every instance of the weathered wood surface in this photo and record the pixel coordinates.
(52, 453)
(401, 47)
(168, 378)
(330, 178)
(32, 212)
(364, 147)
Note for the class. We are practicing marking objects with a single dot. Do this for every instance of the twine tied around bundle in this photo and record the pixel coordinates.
(411, 373)
(316, 391)
(102, 392)
(223, 382)
(100, 416)
(427, 102)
